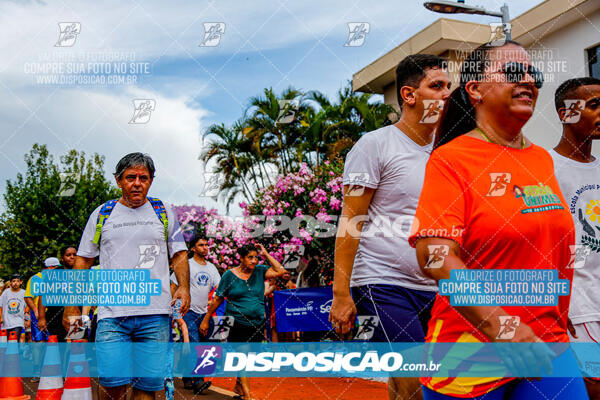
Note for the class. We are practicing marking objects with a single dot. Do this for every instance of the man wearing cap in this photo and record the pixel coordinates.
(45, 321)
(135, 232)
(12, 307)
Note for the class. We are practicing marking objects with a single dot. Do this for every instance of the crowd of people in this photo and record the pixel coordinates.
(481, 196)
(466, 176)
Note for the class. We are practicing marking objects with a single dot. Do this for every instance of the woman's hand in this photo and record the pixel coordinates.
(262, 249)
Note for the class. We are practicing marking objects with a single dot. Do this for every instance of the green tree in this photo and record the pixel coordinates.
(40, 216)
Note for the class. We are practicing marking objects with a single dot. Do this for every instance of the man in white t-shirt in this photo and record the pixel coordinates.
(383, 177)
(12, 307)
(204, 277)
(135, 236)
(577, 102)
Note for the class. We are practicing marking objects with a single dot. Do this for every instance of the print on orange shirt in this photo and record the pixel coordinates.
(537, 198)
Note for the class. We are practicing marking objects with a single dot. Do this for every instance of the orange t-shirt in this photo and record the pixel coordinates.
(504, 208)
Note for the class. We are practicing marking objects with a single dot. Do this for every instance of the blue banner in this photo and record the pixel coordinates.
(303, 310)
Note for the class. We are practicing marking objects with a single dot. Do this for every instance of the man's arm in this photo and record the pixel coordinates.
(31, 304)
(41, 315)
(181, 268)
(74, 311)
(216, 302)
(354, 213)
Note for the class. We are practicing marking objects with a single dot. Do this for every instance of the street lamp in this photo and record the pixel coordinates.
(459, 7)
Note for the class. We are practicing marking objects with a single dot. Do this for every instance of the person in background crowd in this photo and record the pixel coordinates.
(45, 321)
(140, 232)
(204, 277)
(67, 256)
(470, 217)
(271, 286)
(12, 307)
(383, 176)
(244, 288)
(577, 102)
(67, 260)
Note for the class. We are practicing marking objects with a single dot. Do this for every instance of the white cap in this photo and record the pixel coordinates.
(52, 262)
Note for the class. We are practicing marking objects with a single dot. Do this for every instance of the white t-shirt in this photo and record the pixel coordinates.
(580, 184)
(135, 238)
(203, 279)
(13, 308)
(390, 162)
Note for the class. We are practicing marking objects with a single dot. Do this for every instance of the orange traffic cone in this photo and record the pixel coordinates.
(11, 388)
(78, 385)
(51, 383)
(3, 341)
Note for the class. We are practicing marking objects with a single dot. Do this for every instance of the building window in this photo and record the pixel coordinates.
(594, 61)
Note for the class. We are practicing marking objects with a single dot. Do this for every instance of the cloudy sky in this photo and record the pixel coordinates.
(265, 44)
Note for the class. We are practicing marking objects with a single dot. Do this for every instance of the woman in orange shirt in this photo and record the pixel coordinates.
(490, 201)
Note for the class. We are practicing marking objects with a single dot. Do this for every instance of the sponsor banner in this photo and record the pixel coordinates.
(303, 310)
(317, 359)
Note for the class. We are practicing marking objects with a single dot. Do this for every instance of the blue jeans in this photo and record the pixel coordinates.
(114, 337)
(193, 320)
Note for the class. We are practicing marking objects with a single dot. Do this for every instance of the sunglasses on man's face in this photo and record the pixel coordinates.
(515, 72)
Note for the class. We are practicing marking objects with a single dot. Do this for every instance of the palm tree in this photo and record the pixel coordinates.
(230, 151)
(262, 144)
(264, 126)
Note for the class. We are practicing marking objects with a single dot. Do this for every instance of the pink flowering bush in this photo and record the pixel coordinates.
(224, 234)
(296, 217)
(312, 201)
